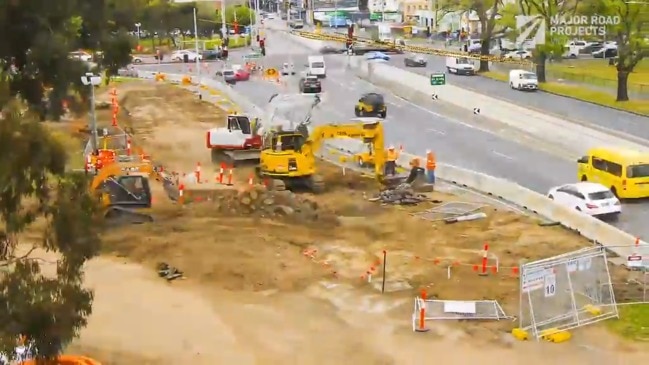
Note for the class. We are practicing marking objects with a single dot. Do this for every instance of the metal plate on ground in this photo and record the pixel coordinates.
(449, 210)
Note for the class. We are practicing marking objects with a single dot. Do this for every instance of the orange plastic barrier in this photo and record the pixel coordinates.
(68, 360)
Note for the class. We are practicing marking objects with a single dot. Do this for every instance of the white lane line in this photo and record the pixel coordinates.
(507, 157)
(436, 131)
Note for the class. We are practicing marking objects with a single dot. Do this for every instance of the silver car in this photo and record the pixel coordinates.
(415, 60)
(229, 76)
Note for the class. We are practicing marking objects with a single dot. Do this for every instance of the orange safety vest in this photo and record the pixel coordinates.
(392, 155)
(430, 161)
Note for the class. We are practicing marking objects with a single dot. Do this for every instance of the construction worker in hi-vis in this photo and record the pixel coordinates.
(391, 161)
(431, 164)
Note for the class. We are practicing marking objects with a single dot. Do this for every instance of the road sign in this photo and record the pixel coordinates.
(634, 261)
(438, 78)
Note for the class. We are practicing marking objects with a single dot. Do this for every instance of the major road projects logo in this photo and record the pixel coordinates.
(532, 29)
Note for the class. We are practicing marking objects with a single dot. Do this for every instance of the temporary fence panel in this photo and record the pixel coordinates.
(565, 292)
(456, 310)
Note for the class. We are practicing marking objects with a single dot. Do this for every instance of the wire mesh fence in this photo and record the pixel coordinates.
(566, 291)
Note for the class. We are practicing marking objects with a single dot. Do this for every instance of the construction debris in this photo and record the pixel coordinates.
(464, 218)
(403, 194)
(168, 272)
(449, 210)
(263, 203)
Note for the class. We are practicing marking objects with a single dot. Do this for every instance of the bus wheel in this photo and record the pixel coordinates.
(584, 178)
(614, 191)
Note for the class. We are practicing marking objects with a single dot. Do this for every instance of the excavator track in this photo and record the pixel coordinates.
(119, 216)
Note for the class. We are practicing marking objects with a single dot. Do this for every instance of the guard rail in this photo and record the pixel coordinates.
(615, 240)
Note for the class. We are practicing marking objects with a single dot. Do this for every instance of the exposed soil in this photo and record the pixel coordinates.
(279, 288)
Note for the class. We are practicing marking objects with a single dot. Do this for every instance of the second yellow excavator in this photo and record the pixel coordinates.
(288, 158)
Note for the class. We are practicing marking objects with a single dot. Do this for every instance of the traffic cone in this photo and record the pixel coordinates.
(197, 172)
(230, 175)
(251, 180)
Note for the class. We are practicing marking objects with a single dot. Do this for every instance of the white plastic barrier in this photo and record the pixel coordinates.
(609, 236)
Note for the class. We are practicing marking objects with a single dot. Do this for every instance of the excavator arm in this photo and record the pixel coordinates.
(367, 132)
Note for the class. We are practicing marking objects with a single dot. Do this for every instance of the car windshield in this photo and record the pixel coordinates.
(228, 73)
(374, 99)
(641, 170)
(601, 195)
(317, 64)
(463, 61)
(528, 76)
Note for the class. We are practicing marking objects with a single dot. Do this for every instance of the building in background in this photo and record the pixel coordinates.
(411, 10)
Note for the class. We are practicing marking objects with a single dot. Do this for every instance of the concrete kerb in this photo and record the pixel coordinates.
(589, 227)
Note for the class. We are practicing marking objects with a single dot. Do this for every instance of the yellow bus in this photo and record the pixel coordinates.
(625, 172)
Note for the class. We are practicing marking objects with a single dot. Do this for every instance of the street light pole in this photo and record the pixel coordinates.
(92, 80)
(198, 61)
(137, 26)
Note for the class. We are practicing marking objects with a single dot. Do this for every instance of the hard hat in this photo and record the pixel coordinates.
(428, 151)
(391, 147)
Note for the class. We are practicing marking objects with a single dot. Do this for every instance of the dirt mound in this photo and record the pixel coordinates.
(260, 202)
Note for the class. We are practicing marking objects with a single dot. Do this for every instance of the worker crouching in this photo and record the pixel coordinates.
(415, 170)
(431, 164)
(391, 161)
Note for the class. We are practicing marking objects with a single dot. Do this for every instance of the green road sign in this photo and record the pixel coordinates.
(252, 56)
(437, 79)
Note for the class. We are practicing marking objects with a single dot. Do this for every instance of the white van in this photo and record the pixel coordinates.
(316, 66)
(460, 66)
(523, 80)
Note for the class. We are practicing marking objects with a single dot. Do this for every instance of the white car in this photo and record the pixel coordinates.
(519, 55)
(180, 55)
(81, 56)
(288, 69)
(136, 59)
(587, 197)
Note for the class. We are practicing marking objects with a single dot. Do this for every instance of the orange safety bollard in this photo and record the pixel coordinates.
(181, 191)
(197, 172)
(230, 175)
(114, 120)
(221, 172)
(251, 180)
(128, 147)
(421, 325)
(485, 253)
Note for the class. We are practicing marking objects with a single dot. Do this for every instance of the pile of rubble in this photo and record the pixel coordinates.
(260, 202)
(403, 194)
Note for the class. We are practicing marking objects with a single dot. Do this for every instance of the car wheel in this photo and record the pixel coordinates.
(383, 115)
(357, 112)
(573, 56)
(511, 85)
(551, 197)
(360, 162)
(614, 191)
(578, 209)
(137, 61)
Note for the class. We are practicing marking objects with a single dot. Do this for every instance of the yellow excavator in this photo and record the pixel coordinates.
(288, 157)
(124, 192)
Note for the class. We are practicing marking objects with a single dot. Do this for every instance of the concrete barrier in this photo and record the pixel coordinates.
(615, 240)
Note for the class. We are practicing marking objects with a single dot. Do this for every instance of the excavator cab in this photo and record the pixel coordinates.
(240, 123)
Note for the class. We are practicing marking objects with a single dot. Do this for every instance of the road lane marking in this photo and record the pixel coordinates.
(433, 130)
(507, 157)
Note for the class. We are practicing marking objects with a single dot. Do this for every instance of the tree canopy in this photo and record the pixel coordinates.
(48, 310)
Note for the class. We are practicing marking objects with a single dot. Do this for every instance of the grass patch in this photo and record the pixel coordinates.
(633, 323)
(582, 93)
(598, 72)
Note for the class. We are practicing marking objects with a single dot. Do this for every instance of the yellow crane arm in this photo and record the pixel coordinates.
(368, 132)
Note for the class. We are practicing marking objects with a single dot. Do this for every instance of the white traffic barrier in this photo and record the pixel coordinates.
(603, 233)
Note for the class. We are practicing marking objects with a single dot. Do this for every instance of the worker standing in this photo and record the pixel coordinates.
(391, 161)
(431, 164)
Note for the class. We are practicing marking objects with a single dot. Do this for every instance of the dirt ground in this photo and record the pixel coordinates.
(274, 290)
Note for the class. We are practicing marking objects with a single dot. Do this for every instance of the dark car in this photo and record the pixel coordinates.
(605, 53)
(371, 105)
(332, 50)
(415, 60)
(211, 55)
(310, 85)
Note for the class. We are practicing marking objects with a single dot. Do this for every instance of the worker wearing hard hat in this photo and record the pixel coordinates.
(391, 158)
(431, 164)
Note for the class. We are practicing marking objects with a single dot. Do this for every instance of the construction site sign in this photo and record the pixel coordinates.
(534, 279)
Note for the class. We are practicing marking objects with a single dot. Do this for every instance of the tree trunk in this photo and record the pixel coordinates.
(540, 67)
(484, 51)
(622, 86)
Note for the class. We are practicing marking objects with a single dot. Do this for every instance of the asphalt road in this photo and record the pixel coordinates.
(567, 108)
(420, 127)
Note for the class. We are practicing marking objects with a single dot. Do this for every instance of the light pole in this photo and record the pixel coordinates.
(137, 27)
(89, 79)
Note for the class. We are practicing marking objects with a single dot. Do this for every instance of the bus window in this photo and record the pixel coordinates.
(599, 164)
(614, 168)
(637, 171)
